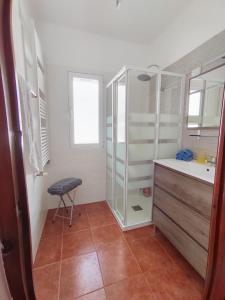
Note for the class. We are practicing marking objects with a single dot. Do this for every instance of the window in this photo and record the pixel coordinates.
(86, 106)
(194, 109)
(194, 104)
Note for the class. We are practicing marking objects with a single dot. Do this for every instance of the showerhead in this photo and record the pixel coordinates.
(144, 77)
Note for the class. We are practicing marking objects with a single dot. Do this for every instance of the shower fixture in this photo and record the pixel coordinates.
(146, 76)
(118, 2)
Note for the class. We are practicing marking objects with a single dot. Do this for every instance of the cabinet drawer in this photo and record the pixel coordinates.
(194, 193)
(191, 250)
(191, 221)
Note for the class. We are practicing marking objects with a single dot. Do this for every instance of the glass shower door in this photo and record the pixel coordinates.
(141, 145)
(120, 147)
(170, 117)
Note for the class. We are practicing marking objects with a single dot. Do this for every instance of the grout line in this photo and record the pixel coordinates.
(102, 288)
(98, 226)
(142, 272)
(165, 251)
(76, 231)
(93, 240)
(46, 265)
(124, 240)
(130, 249)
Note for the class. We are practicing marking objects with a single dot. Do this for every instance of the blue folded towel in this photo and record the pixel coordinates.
(185, 154)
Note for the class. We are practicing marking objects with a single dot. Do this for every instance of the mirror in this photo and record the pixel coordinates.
(205, 99)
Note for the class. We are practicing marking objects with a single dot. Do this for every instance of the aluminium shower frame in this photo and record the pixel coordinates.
(124, 72)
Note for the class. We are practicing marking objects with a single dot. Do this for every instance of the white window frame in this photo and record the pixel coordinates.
(71, 109)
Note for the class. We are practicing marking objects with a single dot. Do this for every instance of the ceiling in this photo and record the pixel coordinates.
(139, 21)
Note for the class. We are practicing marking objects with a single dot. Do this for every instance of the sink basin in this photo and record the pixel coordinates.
(204, 172)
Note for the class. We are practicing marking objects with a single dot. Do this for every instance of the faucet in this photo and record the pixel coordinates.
(212, 160)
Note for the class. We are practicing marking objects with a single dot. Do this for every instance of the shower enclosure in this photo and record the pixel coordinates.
(143, 123)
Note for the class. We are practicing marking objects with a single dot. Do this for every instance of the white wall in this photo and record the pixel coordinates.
(202, 20)
(35, 185)
(69, 50)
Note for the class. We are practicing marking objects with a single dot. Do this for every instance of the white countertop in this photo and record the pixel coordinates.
(204, 172)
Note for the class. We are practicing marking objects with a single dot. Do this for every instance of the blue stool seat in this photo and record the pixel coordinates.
(61, 188)
(64, 186)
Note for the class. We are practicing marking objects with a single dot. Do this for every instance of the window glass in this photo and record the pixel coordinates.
(194, 104)
(85, 110)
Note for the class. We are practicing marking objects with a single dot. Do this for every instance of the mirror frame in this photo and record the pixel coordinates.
(187, 98)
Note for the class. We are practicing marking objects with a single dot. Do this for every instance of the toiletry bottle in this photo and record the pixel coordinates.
(201, 157)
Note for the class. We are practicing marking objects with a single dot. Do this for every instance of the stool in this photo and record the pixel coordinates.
(62, 188)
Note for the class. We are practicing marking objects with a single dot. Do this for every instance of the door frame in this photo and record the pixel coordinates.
(215, 279)
(14, 213)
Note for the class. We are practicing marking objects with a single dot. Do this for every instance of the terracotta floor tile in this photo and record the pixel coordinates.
(147, 251)
(117, 262)
(81, 208)
(173, 284)
(80, 222)
(132, 235)
(49, 251)
(132, 288)
(77, 243)
(167, 275)
(100, 218)
(52, 229)
(162, 295)
(97, 295)
(106, 235)
(197, 281)
(80, 275)
(180, 261)
(97, 206)
(46, 281)
(168, 247)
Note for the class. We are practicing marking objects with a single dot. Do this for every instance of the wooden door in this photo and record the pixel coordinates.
(215, 280)
(14, 217)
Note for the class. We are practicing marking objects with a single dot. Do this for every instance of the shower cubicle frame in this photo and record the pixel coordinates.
(124, 72)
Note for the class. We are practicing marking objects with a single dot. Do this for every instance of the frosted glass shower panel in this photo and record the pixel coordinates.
(143, 123)
(141, 145)
(170, 116)
(141, 152)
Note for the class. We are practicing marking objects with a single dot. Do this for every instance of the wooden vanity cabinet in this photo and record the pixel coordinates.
(181, 211)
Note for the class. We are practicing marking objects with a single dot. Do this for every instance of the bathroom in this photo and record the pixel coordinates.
(120, 108)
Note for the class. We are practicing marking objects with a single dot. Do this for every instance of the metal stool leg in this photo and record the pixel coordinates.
(56, 213)
(71, 215)
(64, 204)
(71, 210)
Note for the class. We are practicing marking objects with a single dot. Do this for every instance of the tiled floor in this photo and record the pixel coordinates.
(95, 260)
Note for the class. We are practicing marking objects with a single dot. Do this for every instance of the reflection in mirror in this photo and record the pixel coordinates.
(205, 99)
